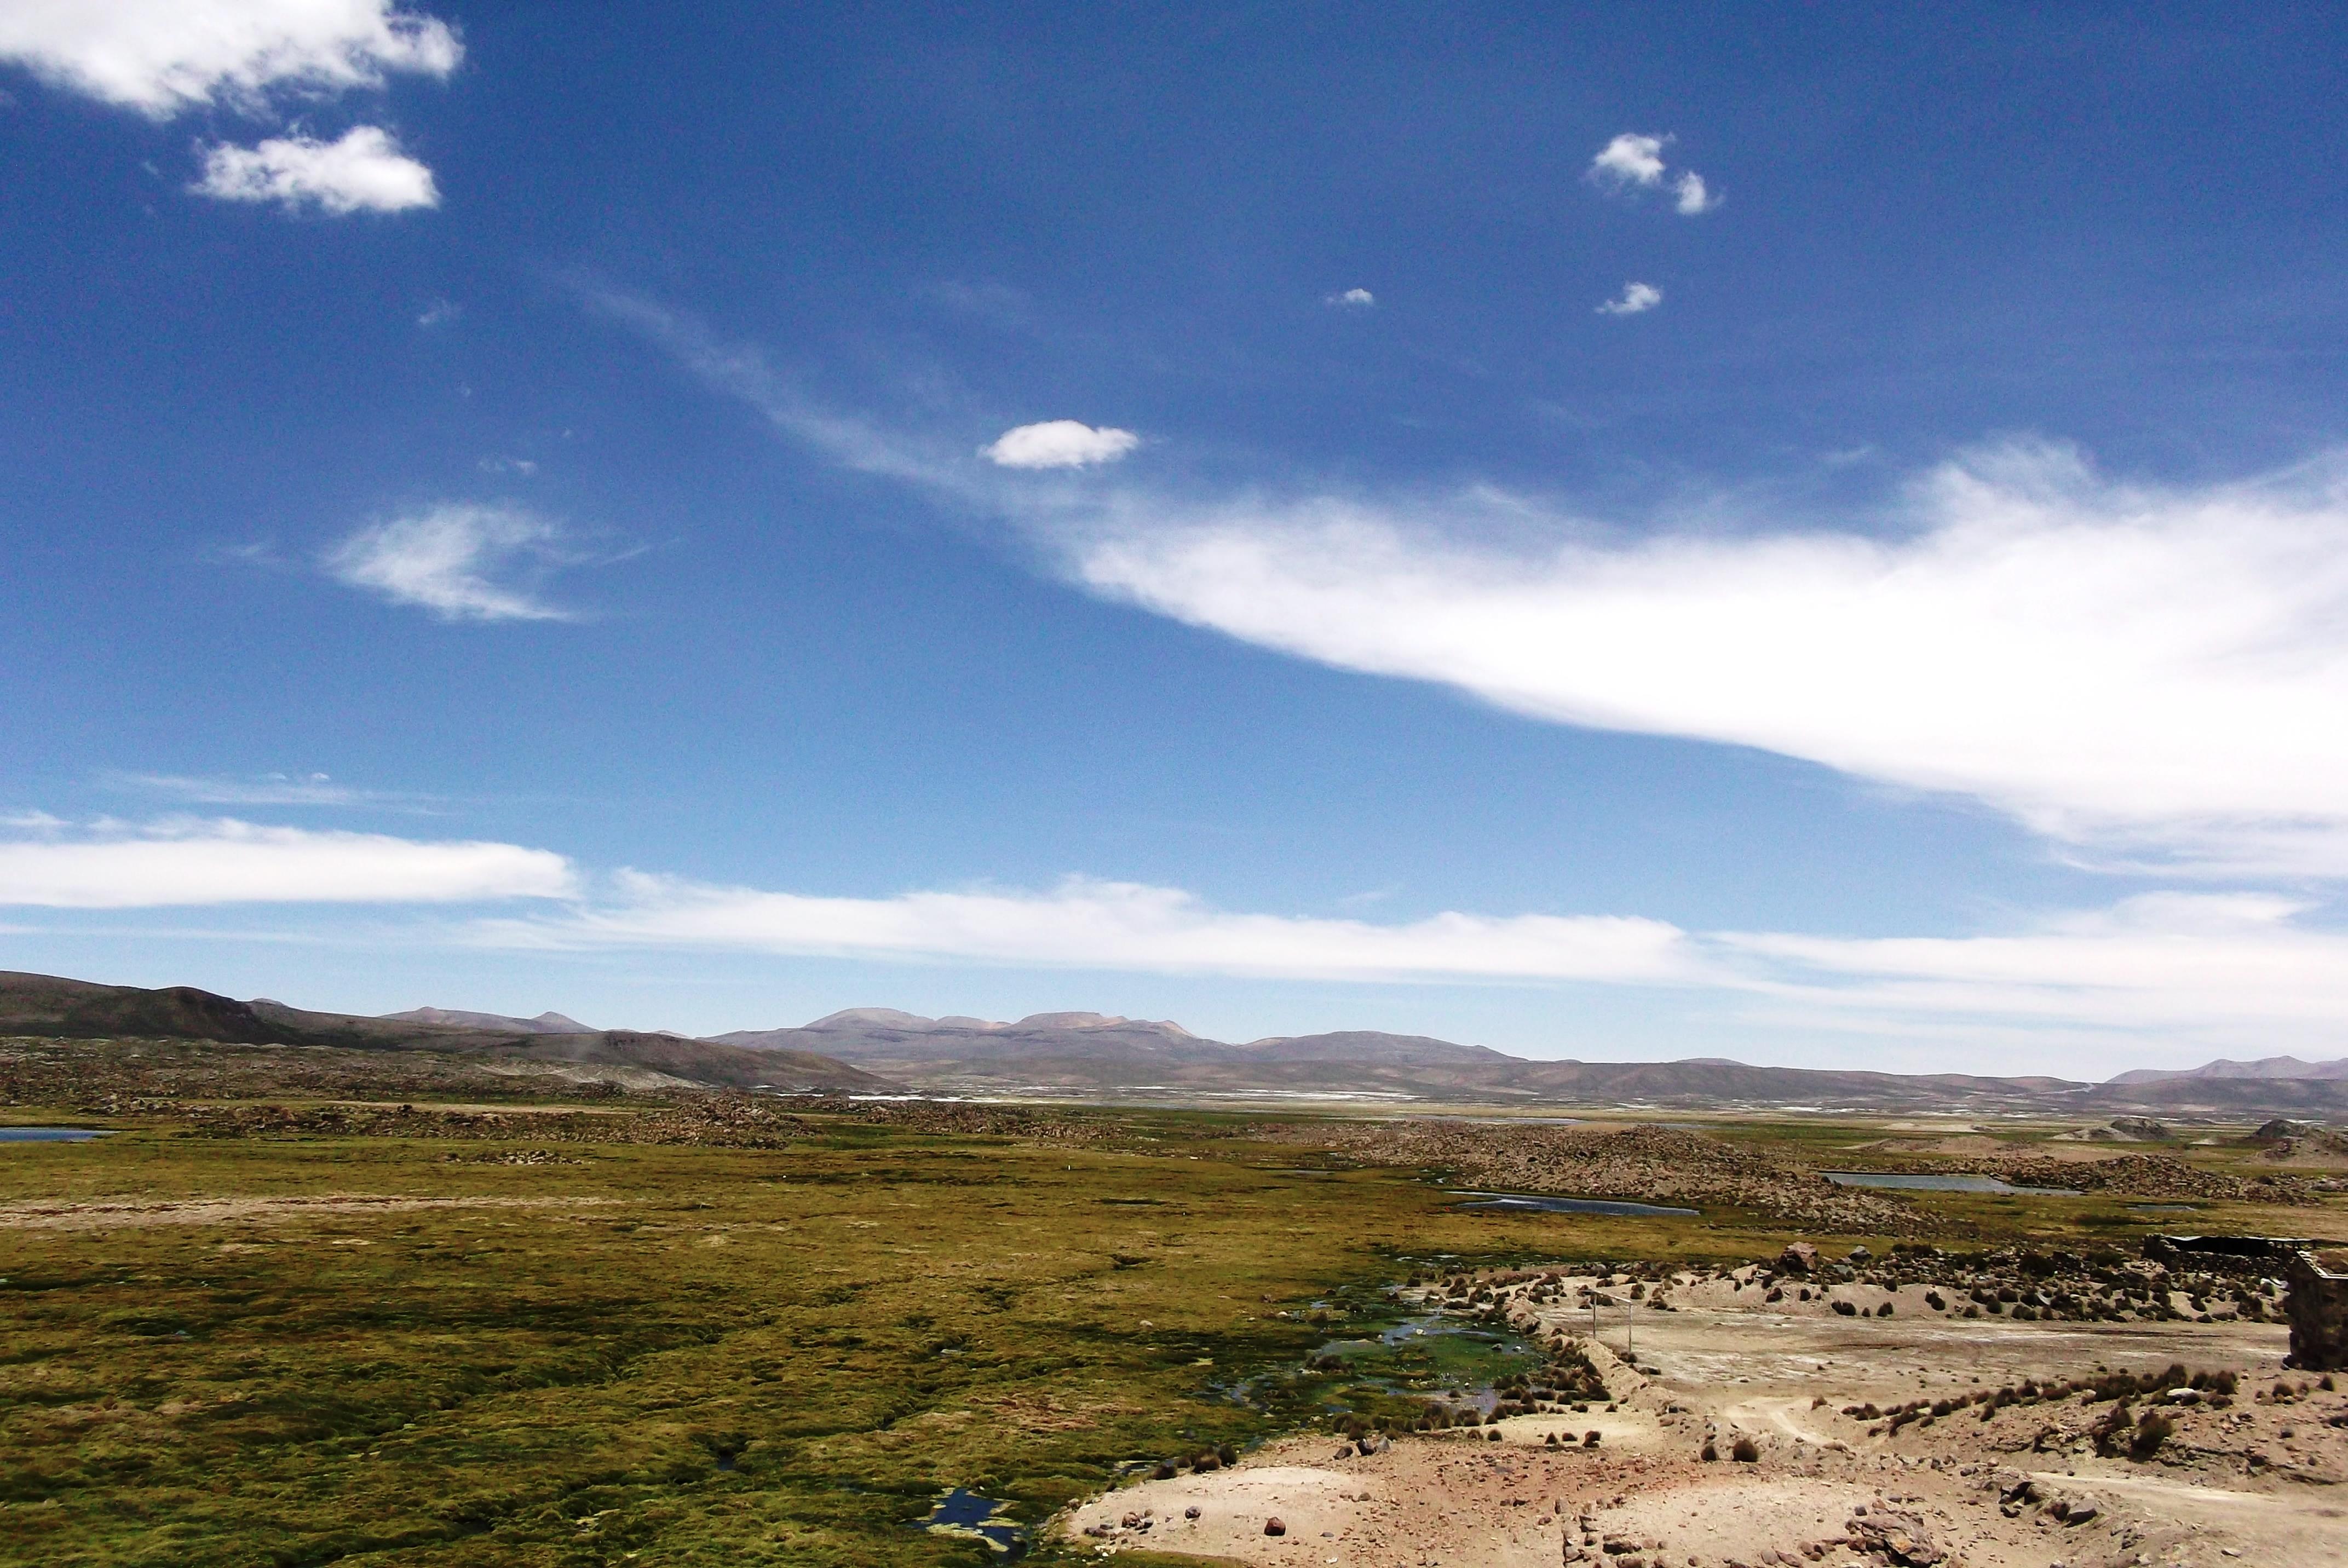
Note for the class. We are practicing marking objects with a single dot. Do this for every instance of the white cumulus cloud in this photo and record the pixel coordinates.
(2123, 668)
(1357, 299)
(162, 58)
(363, 171)
(461, 561)
(1059, 444)
(224, 861)
(1633, 299)
(1632, 161)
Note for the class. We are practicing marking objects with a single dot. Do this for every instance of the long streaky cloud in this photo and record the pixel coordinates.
(2242, 971)
(1089, 924)
(222, 861)
(742, 370)
(2119, 668)
(2168, 973)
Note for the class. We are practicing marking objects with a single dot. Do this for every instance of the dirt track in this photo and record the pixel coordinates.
(127, 1213)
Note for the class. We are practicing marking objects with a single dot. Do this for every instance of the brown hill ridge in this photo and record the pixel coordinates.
(55, 1009)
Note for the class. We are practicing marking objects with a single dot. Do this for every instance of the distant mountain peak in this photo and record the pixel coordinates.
(852, 1018)
(1097, 1020)
(451, 1018)
(877, 1018)
(2270, 1067)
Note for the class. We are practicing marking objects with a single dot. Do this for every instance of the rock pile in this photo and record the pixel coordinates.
(2141, 1176)
(1645, 1163)
(2024, 1284)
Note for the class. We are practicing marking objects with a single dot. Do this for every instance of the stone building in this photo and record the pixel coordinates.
(2318, 1309)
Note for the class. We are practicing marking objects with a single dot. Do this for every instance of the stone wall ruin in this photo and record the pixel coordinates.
(2318, 1309)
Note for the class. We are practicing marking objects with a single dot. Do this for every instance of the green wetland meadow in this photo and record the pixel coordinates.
(430, 1351)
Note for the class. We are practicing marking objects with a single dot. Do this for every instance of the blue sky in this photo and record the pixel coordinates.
(1817, 538)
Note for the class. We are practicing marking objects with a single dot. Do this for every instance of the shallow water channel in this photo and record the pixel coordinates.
(48, 1134)
(1908, 1181)
(1544, 1203)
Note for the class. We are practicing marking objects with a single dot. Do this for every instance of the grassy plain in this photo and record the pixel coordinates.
(660, 1355)
(678, 1353)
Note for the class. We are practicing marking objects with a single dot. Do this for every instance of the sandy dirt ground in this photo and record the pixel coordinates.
(2257, 1479)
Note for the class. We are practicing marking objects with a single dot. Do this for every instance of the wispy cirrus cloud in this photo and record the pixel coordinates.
(259, 789)
(189, 862)
(743, 371)
(2232, 971)
(461, 562)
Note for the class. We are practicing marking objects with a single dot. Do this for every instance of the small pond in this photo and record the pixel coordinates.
(1908, 1181)
(1544, 1204)
(965, 1514)
(48, 1134)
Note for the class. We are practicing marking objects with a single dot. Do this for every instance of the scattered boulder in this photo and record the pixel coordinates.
(1896, 1536)
(1275, 1525)
(1800, 1258)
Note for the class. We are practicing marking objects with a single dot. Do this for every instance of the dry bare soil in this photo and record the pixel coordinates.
(1788, 1401)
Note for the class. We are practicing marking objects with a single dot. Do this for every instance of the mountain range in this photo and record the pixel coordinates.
(1102, 1056)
